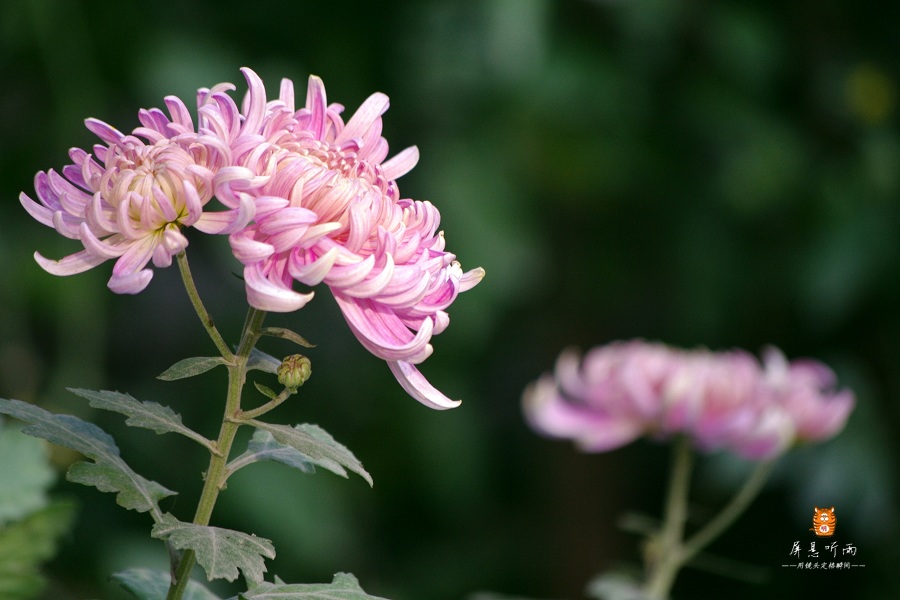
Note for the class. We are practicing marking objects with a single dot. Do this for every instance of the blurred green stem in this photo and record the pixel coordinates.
(664, 554)
(732, 511)
(217, 473)
(668, 552)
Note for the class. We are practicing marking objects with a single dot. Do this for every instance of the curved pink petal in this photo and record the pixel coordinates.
(415, 384)
(364, 118)
(130, 283)
(40, 213)
(316, 105)
(374, 284)
(401, 163)
(229, 221)
(69, 265)
(255, 102)
(104, 249)
(346, 275)
(104, 131)
(312, 273)
(382, 332)
(264, 294)
(247, 250)
(470, 279)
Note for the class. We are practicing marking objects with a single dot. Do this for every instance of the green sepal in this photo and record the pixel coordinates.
(344, 586)
(265, 390)
(221, 552)
(150, 584)
(191, 367)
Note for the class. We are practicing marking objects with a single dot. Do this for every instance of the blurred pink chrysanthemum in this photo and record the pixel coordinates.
(329, 210)
(130, 200)
(724, 400)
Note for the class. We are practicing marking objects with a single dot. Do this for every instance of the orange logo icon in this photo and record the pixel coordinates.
(824, 522)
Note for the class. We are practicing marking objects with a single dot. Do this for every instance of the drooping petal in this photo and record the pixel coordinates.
(341, 223)
(415, 384)
(383, 333)
(131, 283)
(264, 294)
(313, 272)
(248, 250)
(69, 265)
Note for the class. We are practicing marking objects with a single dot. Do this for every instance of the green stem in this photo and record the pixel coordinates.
(670, 552)
(217, 473)
(201, 311)
(246, 415)
(664, 558)
(732, 511)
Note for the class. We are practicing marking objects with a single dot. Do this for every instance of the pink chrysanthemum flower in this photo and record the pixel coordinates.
(130, 200)
(330, 211)
(804, 387)
(724, 400)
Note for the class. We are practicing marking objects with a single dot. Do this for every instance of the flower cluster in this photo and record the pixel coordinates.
(308, 198)
(726, 400)
(130, 199)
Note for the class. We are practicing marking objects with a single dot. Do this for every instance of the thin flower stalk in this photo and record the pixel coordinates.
(218, 472)
(669, 551)
(205, 318)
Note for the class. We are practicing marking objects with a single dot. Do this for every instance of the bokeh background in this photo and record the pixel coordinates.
(718, 174)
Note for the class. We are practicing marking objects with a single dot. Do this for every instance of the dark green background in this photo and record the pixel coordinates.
(699, 173)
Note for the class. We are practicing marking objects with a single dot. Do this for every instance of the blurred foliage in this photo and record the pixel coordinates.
(721, 174)
(31, 524)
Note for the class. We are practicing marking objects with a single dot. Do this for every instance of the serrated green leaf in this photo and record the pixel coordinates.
(263, 446)
(109, 478)
(149, 584)
(91, 441)
(149, 415)
(221, 552)
(344, 586)
(25, 474)
(260, 361)
(287, 334)
(24, 545)
(191, 367)
(265, 390)
(317, 444)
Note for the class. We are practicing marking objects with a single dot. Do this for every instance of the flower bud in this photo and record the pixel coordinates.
(294, 370)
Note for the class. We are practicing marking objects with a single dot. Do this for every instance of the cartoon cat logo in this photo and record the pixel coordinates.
(824, 522)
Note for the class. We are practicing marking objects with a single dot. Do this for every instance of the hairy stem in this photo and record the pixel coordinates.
(201, 311)
(217, 473)
(275, 402)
